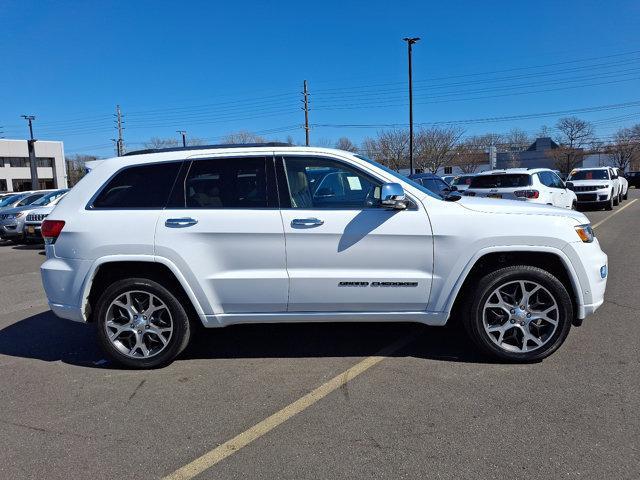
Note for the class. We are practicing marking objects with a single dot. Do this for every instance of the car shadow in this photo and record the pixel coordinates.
(48, 338)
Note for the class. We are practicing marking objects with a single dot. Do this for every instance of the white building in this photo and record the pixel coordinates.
(15, 174)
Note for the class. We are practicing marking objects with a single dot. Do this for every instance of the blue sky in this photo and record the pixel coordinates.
(216, 67)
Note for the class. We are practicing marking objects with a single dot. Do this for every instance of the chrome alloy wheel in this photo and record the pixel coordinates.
(520, 316)
(138, 324)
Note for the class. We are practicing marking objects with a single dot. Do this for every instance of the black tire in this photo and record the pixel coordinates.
(473, 318)
(180, 335)
(626, 195)
(615, 199)
(574, 206)
(609, 205)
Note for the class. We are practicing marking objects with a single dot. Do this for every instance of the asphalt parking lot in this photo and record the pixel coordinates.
(431, 409)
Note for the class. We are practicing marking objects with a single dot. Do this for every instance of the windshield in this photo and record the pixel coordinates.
(509, 180)
(50, 197)
(462, 180)
(10, 199)
(400, 177)
(589, 175)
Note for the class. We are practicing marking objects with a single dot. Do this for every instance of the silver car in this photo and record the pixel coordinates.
(12, 220)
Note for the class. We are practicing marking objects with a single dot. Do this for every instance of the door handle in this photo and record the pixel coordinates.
(180, 222)
(306, 222)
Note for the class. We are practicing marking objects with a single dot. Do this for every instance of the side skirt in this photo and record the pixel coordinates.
(426, 318)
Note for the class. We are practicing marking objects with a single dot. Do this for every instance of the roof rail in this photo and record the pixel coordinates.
(208, 147)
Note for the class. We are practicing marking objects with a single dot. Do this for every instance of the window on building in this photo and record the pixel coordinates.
(3, 185)
(18, 161)
(448, 170)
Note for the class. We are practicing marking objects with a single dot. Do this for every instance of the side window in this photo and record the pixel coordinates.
(322, 183)
(227, 183)
(557, 181)
(545, 179)
(143, 186)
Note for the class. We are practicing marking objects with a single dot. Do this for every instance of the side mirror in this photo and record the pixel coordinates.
(392, 196)
(569, 185)
(453, 188)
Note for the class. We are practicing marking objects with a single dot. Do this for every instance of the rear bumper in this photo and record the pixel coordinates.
(63, 282)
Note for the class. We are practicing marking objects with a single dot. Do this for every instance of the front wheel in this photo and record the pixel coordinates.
(141, 324)
(519, 314)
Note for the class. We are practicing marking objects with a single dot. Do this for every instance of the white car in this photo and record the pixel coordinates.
(149, 242)
(595, 186)
(537, 185)
(624, 184)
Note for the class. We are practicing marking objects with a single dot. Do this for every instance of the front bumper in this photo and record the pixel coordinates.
(10, 230)
(589, 260)
(597, 196)
(36, 234)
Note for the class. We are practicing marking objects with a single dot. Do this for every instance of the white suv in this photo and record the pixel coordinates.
(595, 186)
(147, 243)
(537, 185)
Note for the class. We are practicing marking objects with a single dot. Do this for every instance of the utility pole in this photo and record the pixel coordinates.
(410, 41)
(33, 167)
(120, 142)
(305, 100)
(184, 136)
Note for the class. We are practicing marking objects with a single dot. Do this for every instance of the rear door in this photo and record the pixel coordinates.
(223, 229)
(344, 252)
(562, 197)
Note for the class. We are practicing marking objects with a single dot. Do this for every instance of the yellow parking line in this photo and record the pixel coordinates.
(230, 447)
(614, 213)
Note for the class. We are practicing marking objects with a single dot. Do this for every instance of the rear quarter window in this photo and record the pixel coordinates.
(142, 186)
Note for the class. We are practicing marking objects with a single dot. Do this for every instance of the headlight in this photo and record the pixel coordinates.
(585, 232)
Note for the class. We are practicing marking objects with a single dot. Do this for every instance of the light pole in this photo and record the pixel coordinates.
(32, 153)
(410, 41)
(184, 136)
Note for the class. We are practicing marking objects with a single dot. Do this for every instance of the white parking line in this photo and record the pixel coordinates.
(614, 213)
(230, 447)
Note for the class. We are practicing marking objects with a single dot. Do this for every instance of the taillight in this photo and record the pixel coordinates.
(51, 230)
(527, 193)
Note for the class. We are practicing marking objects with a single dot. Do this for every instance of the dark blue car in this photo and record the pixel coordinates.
(433, 183)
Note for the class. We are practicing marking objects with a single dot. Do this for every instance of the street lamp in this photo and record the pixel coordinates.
(32, 153)
(410, 41)
(184, 136)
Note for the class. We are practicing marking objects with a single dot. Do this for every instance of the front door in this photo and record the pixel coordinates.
(344, 252)
(223, 229)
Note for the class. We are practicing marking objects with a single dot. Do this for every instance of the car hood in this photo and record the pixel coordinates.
(518, 207)
(588, 183)
(43, 210)
(17, 209)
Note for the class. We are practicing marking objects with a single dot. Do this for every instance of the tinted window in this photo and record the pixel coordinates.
(322, 183)
(545, 179)
(144, 186)
(509, 180)
(462, 180)
(29, 200)
(556, 181)
(227, 183)
(589, 175)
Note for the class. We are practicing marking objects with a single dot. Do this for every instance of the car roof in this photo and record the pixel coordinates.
(590, 168)
(521, 171)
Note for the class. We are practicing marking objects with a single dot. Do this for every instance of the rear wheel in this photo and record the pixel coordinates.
(615, 199)
(626, 194)
(141, 324)
(519, 314)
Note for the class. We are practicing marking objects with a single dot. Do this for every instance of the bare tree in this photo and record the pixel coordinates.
(76, 167)
(323, 142)
(489, 140)
(574, 136)
(157, 142)
(369, 148)
(392, 148)
(344, 143)
(435, 147)
(470, 154)
(625, 147)
(516, 141)
(242, 136)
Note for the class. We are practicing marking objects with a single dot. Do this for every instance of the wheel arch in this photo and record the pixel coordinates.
(548, 258)
(108, 269)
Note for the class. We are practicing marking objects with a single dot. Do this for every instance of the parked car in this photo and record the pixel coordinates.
(537, 185)
(19, 200)
(434, 183)
(462, 182)
(634, 179)
(149, 242)
(12, 220)
(624, 184)
(594, 186)
(33, 221)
